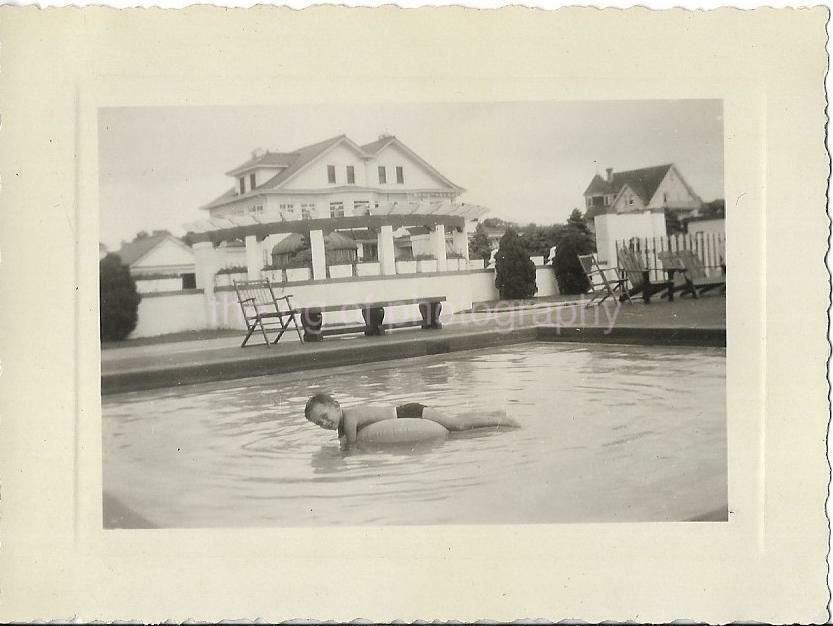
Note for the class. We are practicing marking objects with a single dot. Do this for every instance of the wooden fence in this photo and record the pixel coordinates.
(709, 247)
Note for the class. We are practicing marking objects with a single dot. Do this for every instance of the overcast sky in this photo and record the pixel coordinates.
(526, 161)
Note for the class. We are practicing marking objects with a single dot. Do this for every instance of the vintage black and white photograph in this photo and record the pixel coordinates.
(413, 314)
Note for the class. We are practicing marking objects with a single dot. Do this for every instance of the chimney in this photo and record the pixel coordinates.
(258, 152)
(609, 174)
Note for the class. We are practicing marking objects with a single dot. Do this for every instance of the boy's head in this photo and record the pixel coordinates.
(323, 410)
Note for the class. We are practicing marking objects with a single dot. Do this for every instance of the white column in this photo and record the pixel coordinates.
(319, 255)
(460, 240)
(205, 266)
(254, 261)
(387, 254)
(438, 247)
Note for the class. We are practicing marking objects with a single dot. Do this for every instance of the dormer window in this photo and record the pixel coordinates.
(331, 174)
(351, 175)
(242, 181)
(252, 182)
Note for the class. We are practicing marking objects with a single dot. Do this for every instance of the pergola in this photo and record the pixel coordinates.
(436, 217)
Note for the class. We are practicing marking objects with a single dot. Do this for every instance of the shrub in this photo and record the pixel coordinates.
(479, 245)
(514, 270)
(454, 255)
(234, 269)
(300, 259)
(568, 271)
(425, 257)
(118, 299)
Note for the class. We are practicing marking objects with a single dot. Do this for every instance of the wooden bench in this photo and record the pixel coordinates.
(373, 314)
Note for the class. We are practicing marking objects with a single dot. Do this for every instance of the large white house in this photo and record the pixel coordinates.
(332, 178)
(632, 204)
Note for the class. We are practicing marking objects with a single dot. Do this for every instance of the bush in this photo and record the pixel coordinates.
(514, 270)
(568, 271)
(425, 257)
(118, 299)
(234, 269)
(479, 246)
(300, 259)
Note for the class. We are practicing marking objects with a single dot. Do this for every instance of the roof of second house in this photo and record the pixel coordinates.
(134, 250)
(643, 182)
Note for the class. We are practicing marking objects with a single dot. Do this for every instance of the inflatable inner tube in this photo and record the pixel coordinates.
(401, 431)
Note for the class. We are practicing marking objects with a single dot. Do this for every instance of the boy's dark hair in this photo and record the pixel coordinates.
(319, 398)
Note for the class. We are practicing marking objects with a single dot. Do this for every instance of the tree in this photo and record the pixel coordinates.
(576, 239)
(577, 222)
(540, 239)
(118, 299)
(514, 270)
(479, 245)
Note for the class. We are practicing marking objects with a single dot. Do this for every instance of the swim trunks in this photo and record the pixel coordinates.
(410, 410)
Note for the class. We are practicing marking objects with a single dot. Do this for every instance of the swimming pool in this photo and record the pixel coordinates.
(610, 433)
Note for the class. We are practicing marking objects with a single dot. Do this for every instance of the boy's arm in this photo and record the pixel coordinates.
(350, 428)
(362, 416)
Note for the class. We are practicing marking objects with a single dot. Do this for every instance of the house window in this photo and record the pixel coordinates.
(383, 175)
(252, 183)
(242, 185)
(630, 199)
(307, 209)
(665, 196)
(361, 207)
(257, 208)
(287, 209)
(400, 175)
(336, 209)
(331, 173)
(351, 175)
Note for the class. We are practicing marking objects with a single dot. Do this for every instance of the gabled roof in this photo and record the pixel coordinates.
(374, 146)
(135, 250)
(293, 162)
(643, 182)
(267, 159)
(598, 186)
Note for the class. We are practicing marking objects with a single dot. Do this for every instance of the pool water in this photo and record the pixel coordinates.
(609, 433)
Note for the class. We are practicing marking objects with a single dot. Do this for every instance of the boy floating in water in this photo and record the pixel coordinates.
(325, 411)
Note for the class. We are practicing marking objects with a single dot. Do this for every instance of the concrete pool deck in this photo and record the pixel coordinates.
(682, 322)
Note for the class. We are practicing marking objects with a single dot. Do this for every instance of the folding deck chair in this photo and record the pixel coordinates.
(640, 278)
(261, 309)
(604, 282)
(697, 280)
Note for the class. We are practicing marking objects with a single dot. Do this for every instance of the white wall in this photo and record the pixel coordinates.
(621, 203)
(314, 176)
(613, 227)
(177, 312)
(415, 175)
(159, 315)
(707, 226)
(155, 285)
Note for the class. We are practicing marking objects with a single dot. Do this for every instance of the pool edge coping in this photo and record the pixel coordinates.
(274, 362)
